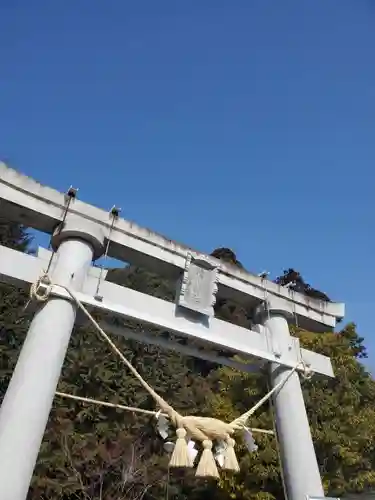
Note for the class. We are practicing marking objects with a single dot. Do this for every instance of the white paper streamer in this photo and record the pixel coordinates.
(219, 452)
(249, 440)
(163, 426)
(191, 450)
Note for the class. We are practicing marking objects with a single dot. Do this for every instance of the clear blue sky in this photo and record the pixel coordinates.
(242, 123)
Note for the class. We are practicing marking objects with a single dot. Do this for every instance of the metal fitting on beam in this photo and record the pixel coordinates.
(263, 274)
(72, 192)
(115, 211)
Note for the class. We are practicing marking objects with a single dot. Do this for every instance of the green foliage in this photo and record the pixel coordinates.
(234, 393)
(91, 453)
(14, 320)
(14, 236)
(228, 256)
(341, 413)
(94, 448)
(292, 277)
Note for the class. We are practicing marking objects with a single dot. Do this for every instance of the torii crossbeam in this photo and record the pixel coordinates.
(80, 234)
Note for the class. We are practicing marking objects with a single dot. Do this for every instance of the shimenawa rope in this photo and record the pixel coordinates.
(202, 429)
(134, 409)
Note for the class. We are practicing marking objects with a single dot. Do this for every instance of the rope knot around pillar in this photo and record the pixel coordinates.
(307, 372)
(41, 289)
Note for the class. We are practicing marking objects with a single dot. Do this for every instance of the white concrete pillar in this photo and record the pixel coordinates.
(298, 458)
(28, 400)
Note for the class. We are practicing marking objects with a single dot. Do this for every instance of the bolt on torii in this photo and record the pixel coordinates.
(82, 233)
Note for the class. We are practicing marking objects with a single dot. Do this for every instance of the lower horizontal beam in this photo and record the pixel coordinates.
(126, 303)
(155, 339)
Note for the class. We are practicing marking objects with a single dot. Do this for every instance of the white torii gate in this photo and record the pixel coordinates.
(81, 233)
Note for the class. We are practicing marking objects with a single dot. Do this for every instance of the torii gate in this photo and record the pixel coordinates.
(81, 234)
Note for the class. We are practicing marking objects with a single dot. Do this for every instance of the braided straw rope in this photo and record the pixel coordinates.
(202, 429)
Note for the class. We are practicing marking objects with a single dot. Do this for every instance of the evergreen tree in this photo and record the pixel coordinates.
(14, 236)
(297, 283)
(91, 453)
(341, 413)
(89, 450)
(14, 319)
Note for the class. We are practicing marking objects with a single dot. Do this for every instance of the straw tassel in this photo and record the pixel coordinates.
(207, 466)
(230, 459)
(181, 456)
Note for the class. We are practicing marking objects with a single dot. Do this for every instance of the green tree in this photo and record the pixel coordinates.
(88, 451)
(14, 319)
(91, 452)
(297, 283)
(341, 413)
